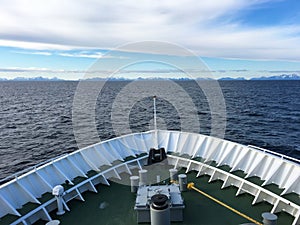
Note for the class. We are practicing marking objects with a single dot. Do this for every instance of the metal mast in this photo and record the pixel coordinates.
(154, 112)
(155, 124)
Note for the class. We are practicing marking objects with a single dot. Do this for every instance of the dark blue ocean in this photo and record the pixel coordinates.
(36, 117)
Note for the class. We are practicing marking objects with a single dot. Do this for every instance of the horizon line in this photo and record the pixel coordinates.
(40, 78)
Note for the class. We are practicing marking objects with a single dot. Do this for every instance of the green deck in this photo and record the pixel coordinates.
(119, 202)
(199, 210)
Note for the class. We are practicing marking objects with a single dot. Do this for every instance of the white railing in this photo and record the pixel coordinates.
(41, 212)
(31, 168)
(275, 153)
(260, 194)
(267, 165)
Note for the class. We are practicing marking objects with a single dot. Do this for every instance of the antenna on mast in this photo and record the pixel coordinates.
(154, 112)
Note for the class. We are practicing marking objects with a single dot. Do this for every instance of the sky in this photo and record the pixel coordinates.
(65, 39)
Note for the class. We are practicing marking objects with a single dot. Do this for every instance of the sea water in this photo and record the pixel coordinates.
(36, 117)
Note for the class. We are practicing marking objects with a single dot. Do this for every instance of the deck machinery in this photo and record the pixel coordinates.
(158, 204)
(149, 196)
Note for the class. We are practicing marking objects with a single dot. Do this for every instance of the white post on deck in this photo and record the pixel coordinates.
(155, 123)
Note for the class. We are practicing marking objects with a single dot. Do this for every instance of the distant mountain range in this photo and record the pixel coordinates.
(32, 79)
(279, 77)
(230, 78)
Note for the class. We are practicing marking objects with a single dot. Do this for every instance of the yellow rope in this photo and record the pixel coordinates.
(192, 186)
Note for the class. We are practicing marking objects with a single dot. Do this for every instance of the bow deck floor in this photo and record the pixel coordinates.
(114, 205)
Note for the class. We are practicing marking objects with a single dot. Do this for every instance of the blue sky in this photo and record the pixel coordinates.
(234, 38)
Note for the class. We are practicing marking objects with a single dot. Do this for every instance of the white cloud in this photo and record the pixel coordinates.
(29, 69)
(94, 55)
(33, 52)
(76, 54)
(205, 27)
(34, 45)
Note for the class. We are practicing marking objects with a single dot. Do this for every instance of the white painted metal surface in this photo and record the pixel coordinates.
(53, 222)
(243, 186)
(268, 166)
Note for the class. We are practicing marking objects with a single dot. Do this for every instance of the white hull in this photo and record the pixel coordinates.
(268, 166)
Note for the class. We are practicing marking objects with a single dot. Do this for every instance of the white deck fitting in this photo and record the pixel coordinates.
(268, 166)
